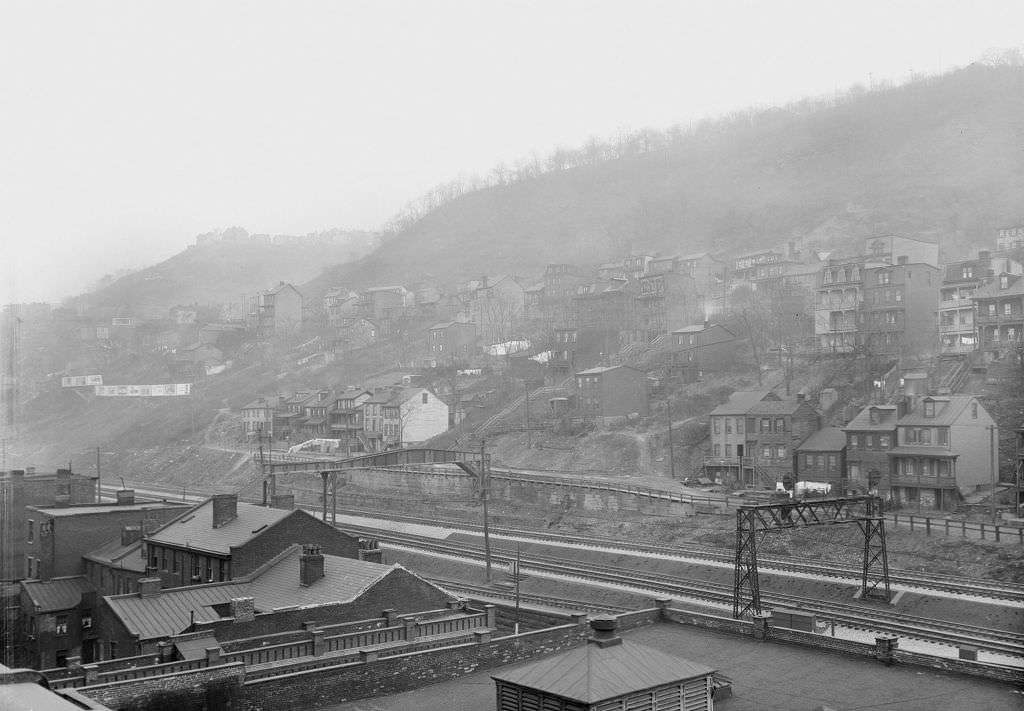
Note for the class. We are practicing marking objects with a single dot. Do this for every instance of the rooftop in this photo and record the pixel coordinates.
(195, 530)
(57, 593)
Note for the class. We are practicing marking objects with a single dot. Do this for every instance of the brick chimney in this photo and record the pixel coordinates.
(243, 609)
(130, 534)
(311, 564)
(125, 497)
(149, 587)
(225, 509)
(282, 501)
(605, 631)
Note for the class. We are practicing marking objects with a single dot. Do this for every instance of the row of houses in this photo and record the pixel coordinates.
(357, 419)
(107, 581)
(932, 450)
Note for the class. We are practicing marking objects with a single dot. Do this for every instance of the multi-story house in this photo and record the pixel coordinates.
(1010, 238)
(664, 300)
(999, 311)
(277, 311)
(745, 266)
(892, 249)
(58, 622)
(945, 445)
(636, 265)
(383, 305)
(496, 307)
(450, 342)
(870, 437)
(708, 275)
(728, 458)
(611, 393)
(836, 305)
(694, 350)
(345, 419)
(339, 305)
(610, 306)
(822, 458)
(422, 415)
(775, 428)
(898, 312)
(961, 281)
(555, 296)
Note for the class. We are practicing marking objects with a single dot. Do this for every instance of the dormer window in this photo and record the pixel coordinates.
(929, 408)
(1004, 281)
(873, 416)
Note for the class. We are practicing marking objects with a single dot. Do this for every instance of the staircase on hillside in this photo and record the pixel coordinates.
(513, 415)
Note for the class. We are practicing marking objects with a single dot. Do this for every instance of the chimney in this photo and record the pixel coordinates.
(800, 397)
(62, 500)
(18, 475)
(243, 609)
(282, 501)
(605, 631)
(902, 259)
(149, 587)
(149, 525)
(63, 474)
(311, 564)
(225, 509)
(130, 534)
(125, 497)
(30, 471)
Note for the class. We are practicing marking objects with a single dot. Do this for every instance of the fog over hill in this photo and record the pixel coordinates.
(940, 158)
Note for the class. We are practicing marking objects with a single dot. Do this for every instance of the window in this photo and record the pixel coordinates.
(992, 309)
(728, 425)
(30, 534)
(61, 626)
(1007, 309)
(821, 461)
(717, 425)
(883, 441)
(967, 273)
(942, 436)
(86, 619)
(728, 450)
(929, 408)
(809, 460)
(766, 424)
(766, 452)
(113, 650)
(739, 425)
(780, 451)
(1004, 281)
(832, 461)
(854, 441)
(424, 398)
(883, 277)
(974, 410)
(780, 424)
(718, 450)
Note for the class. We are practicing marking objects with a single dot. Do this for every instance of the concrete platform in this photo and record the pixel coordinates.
(765, 676)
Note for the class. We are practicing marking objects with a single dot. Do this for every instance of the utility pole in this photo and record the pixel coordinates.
(526, 401)
(484, 486)
(671, 456)
(99, 488)
(992, 455)
(519, 561)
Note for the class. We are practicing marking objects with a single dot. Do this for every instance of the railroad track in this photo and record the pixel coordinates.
(846, 614)
(543, 600)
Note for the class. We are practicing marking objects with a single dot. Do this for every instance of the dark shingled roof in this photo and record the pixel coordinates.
(828, 439)
(590, 674)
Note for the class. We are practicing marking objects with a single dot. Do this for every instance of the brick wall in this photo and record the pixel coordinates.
(390, 675)
(299, 527)
(191, 688)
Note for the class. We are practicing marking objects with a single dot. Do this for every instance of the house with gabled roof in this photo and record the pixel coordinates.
(57, 621)
(300, 584)
(611, 392)
(701, 348)
(222, 539)
(870, 436)
(822, 458)
(945, 447)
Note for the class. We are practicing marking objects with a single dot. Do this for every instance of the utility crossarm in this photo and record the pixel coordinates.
(865, 511)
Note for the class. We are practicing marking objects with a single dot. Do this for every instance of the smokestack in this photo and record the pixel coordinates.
(311, 564)
(225, 509)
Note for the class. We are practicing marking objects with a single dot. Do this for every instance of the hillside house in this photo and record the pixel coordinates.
(610, 393)
(945, 447)
(258, 417)
(191, 363)
(870, 437)
(275, 312)
(58, 622)
(897, 315)
(960, 283)
(345, 419)
(894, 249)
(999, 313)
(496, 307)
(694, 350)
(450, 342)
(664, 300)
(822, 458)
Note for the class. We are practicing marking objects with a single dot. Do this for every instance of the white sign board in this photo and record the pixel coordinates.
(168, 390)
(80, 381)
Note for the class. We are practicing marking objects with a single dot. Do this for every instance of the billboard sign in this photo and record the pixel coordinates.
(79, 381)
(167, 390)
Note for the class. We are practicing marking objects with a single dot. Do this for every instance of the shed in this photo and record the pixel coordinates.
(606, 674)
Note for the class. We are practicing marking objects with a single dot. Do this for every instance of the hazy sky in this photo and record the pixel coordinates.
(126, 128)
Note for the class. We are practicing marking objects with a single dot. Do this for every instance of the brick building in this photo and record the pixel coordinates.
(822, 457)
(299, 585)
(999, 312)
(898, 313)
(57, 622)
(694, 350)
(222, 539)
(22, 488)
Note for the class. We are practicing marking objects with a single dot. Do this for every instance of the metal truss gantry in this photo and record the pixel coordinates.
(865, 511)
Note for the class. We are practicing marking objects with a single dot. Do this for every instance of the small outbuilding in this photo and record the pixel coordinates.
(607, 674)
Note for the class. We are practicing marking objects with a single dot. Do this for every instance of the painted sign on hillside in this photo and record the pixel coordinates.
(167, 390)
(80, 381)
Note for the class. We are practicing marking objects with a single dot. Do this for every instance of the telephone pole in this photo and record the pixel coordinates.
(484, 485)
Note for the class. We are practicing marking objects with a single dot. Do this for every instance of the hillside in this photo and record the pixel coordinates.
(221, 273)
(931, 159)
